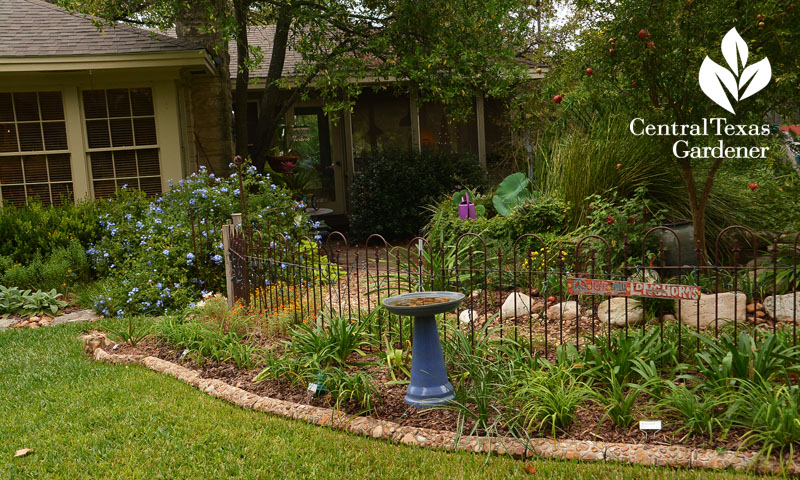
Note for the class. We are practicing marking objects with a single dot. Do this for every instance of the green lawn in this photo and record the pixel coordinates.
(90, 420)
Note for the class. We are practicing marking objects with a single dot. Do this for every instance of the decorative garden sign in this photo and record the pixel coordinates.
(623, 288)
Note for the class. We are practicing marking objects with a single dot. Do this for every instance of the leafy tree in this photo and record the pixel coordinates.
(445, 50)
(645, 57)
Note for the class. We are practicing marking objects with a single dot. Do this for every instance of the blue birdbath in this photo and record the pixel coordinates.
(429, 384)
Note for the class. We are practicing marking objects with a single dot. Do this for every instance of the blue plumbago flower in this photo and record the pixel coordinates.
(146, 304)
(91, 251)
(220, 246)
(158, 285)
(112, 266)
(133, 291)
(128, 216)
(203, 169)
(176, 285)
(165, 252)
(159, 303)
(139, 225)
(158, 221)
(142, 243)
(125, 186)
(217, 259)
(223, 189)
(236, 191)
(192, 201)
(273, 186)
(120, 312)
(317, 237)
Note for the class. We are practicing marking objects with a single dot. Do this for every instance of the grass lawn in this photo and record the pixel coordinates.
(90, 420)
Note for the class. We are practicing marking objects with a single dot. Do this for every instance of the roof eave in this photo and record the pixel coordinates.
(53, 63)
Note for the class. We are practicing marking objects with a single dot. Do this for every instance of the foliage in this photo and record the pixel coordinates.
(23, 302)
(512, 192)
(699, 412)
(147, 258)
(282, 368)
(619, 401)
(398, 361)
(60, 270)
(357, 388)
(618, 220)
(389, 194)
(546, 398)
(329, 342)
(206, 341)
(728, 362)
(130, 330)
(36, 230)
(773, 416)
(648, 69)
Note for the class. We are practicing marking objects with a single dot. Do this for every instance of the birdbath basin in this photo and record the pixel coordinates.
(429, 384)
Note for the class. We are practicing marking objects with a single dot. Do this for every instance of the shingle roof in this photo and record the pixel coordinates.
(31, 28)
(261, 36)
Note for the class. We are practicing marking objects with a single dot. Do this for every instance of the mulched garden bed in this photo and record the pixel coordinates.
(588, 424)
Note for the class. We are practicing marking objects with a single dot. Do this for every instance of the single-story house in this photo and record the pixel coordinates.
(84, 111)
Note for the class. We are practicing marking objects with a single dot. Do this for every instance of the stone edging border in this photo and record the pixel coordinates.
(653, 455)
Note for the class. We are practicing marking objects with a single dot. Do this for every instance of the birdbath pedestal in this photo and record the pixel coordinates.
(429, 384)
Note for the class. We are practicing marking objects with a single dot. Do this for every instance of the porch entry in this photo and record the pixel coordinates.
(320, 165)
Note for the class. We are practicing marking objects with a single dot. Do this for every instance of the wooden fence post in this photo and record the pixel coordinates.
(227, 231)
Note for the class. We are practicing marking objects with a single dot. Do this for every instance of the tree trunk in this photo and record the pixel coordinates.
(241, 9)
(273, 102)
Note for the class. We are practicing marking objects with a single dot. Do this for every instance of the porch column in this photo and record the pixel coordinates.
(481, 122)
(79, 160)
(416, 146)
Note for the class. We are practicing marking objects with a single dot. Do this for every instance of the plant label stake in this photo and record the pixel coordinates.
(466, 210)
(649, 426)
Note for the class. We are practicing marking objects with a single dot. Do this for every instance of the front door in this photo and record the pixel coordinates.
(319, 165)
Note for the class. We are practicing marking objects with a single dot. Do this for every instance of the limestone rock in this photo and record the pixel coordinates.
(524, 305)
(616, 305)
(467, 315)
(563, 311)
(784, 306)
(726, 306)
(646, 276)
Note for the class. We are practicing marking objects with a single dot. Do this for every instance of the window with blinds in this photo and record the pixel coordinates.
(121, 140)
(34, 157)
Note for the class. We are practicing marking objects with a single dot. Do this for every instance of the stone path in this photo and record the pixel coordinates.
(36, 322)
(673, 456)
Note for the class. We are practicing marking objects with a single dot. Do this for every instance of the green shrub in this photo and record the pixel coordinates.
(389, 194)
(39, 230)
(64, 267)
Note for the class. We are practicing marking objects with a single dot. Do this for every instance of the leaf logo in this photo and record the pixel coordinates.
(715, 79)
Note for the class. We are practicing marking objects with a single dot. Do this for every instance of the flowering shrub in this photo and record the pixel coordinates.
(148, 257)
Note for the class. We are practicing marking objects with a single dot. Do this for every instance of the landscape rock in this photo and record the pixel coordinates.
(563, 311)
(524, 305)
(6, 323)
(646, 276)
(79, 316)
(467, 315)
(616, 305)
(784, 306)
(726, 306)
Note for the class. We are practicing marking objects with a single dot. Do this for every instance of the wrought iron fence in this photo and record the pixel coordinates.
(537, 294)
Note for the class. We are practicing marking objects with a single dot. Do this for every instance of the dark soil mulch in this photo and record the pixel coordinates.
(589, 423)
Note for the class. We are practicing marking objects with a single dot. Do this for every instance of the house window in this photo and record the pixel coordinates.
(121, 140)
(34, 157)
